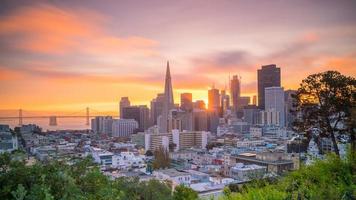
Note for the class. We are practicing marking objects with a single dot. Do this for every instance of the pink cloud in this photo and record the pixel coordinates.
(47, 29)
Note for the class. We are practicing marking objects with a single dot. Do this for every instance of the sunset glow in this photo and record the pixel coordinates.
(64, 56)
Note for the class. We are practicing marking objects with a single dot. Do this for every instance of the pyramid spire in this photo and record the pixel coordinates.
(168, 103)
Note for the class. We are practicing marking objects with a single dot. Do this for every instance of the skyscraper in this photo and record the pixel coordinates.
(274, 101)
(199, 104)
(138, 113)
(156, 108)
(214, 100)
(168, 102)
(124, 102)
(289, 103)
(235, 91)
(186, 103)
(267, 76)
(224, 102)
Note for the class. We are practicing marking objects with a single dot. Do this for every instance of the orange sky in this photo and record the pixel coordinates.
(65, 56)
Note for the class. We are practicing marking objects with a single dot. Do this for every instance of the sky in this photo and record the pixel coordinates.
(68, 55)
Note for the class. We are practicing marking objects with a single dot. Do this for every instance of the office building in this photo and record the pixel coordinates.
(274, 100)
(139, 114)
(267, 76)
(289, 107)
(200, 120)
(124, 127)
(180, 139)
(188, 139)
(251, 114)
(124, 102)
(235, 92)
(269, 117)
(254, 100)
(214, 100)
(199, 104)
(156, 108)
(186, 102)
(180, 120)
(224, 102)
(102, 125)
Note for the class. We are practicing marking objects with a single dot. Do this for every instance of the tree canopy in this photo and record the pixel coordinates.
(82, 180)
(324, 102)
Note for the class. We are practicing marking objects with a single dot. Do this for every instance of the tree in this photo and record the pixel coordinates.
(182, 192)
(324, 102)
(162, 159)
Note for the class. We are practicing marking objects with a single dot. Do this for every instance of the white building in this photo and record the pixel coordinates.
(8, 141)
(176, 177)
(123, 127)
(102, 125)
(250, 143)
(243, 172)
(256, 132)
(126, 160)
(274, 100)
(102, 157)
(270, 117)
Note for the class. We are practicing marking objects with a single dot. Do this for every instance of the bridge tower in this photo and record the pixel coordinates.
(87, 117)
(53, 121)
(20, 117)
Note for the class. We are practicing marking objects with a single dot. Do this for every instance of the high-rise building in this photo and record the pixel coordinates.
(214, 100)
(168, 102)
(189, 139)
(224, 102)
(290, 106)
(267, 76)
(235, 92)
(243, 101)
(274, 100)
(251, 114)
(199, 104)
(156, 108)
(186, 103)
(138, 113)
(124, 127)
(180, 120)
(181, 139)
(200, 120)
(254, 100)
(124, 102)
(269, 117)
(102, 125)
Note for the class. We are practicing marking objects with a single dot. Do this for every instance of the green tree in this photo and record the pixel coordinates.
(182, 192)
(154, 190)
(161, 159)
(19, 193)
(324, 101)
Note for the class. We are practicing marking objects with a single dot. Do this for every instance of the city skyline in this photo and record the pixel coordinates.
(67, 56)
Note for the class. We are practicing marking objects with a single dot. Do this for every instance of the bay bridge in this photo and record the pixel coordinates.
(21, 114)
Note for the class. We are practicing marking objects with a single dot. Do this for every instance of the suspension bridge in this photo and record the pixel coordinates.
(21, 114)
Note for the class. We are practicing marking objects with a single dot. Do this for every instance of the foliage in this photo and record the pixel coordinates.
(325, 102)
(184, 193)
(82, 180)
(332, 178)
(162, 159)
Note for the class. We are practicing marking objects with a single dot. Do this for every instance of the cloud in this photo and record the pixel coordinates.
(223, 61)
(46, 29)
